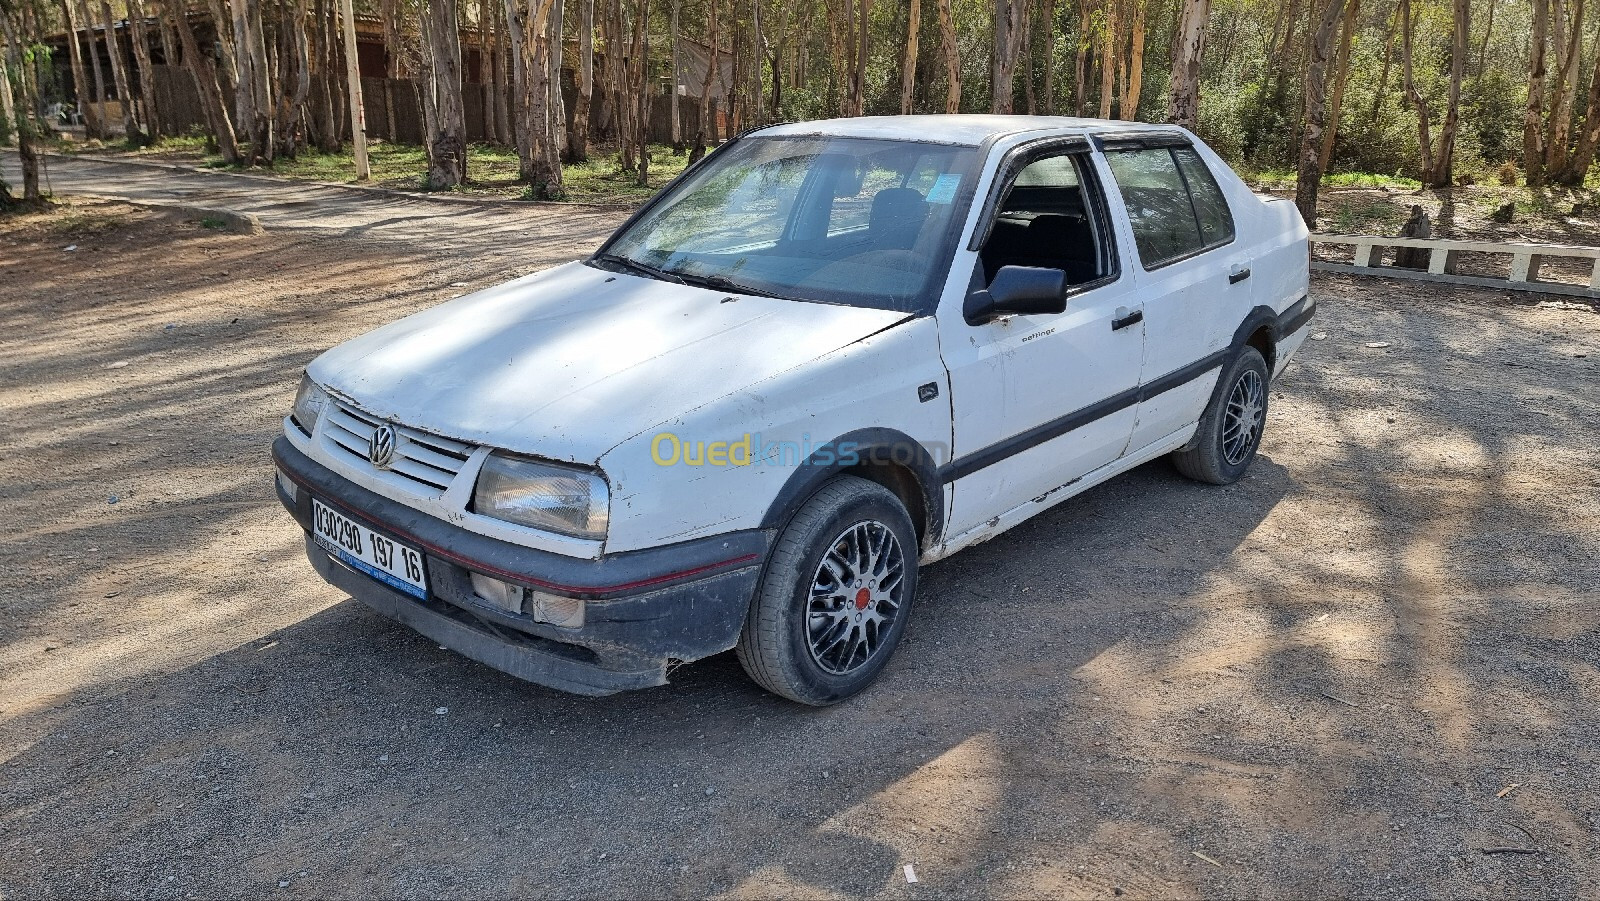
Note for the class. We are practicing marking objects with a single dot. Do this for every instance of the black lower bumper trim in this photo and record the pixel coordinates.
(526, 657)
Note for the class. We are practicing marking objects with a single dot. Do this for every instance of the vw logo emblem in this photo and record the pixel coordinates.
(380, 450)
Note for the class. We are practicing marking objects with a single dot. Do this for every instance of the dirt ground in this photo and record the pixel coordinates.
(1347, 675)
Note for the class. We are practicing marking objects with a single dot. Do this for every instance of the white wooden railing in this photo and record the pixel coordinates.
(1526, 260)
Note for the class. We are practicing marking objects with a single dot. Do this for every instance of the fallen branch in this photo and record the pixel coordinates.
(1333, 697)
(1510, 850)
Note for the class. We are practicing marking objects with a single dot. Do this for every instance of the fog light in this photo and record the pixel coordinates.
(557, 611)
(288, 487)
(504, 595)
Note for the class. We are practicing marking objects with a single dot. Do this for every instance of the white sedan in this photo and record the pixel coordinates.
(829, 354)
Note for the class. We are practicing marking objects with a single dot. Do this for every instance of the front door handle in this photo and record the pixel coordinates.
(1238, 275)
(1127, 319)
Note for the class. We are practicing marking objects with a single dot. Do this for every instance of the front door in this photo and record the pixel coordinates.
(1040, 400)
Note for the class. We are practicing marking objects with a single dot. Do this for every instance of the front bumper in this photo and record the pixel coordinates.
(644, 610)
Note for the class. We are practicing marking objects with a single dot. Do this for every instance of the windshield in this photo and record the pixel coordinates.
(850, 221)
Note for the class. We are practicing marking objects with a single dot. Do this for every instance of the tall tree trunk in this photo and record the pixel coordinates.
(393, 48)
(1557, 146)
(1533, 113)
(1108, 57)
(1128, 108)
(558, 104)
(94, 67)
(638, 89)
(1341, 78)
(447, 141)
(858, 84)
(502, 79)
(1444, 158)
(248, 96)
(578, 130)
(677, 78)
(169, 39)
(119, 75)
(543, 160)
(27, 126)
(1184, 106)
(485, 68)
(1047, 16)
(758, 52)
(8, 110)
(204, 70)
(1388, 58)
(517, 31)
(952, 57)
(1414, 96)
(225, 43)
(1483, 45)
(908, 75)
(1309, 176)
(1007, 43)
(714, 63)
(1582, 158)
(1080, 58)
(294, 81)
(81, 85)
(147, 81)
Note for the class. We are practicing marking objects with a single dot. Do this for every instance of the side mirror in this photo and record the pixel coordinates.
(1018, 289)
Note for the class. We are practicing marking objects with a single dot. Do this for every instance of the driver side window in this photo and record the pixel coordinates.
(1049, 219)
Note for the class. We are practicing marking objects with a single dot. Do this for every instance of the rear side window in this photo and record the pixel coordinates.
(1174, 204)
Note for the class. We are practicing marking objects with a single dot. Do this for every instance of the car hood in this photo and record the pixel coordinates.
(570, 362)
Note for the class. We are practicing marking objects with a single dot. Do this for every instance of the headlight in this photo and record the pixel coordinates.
(308, 405)
(546, 496)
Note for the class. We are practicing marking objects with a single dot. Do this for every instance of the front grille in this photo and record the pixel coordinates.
(423, 458)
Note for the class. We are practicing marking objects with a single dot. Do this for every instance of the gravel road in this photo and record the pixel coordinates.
(1346, 675)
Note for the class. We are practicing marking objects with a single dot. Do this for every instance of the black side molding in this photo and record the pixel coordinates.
(1039, 434)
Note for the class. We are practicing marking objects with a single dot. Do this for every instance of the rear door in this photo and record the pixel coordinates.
(1194, 276)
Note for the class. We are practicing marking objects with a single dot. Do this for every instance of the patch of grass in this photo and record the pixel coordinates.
(1368, 180)
(601, 179)
(213, 222)
(85, 223)
(1362, 217)
(1283, 180)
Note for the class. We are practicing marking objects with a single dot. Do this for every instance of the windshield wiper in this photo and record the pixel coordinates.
(641, 268)
(723, 283)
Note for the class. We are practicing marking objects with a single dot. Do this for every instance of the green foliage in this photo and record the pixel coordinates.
(1492, 112)
(1268, 122)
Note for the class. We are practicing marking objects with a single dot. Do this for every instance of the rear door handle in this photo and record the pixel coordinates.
(1238, 275)
(1122, 322)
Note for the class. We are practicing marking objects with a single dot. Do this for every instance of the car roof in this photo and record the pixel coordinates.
(969, 130)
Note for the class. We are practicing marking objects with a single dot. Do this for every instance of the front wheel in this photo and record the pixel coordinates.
(1229, 433)
(834, 599)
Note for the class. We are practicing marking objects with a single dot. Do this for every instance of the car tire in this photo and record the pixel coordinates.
(835, 596)
(1225, 443)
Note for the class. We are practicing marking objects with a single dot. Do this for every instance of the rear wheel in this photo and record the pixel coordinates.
(835, 596)
(1229, 433)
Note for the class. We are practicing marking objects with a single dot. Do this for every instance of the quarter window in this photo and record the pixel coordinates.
(1210, 209)
(1173, 203)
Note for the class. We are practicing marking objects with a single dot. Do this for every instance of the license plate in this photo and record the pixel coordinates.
(394, 564)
